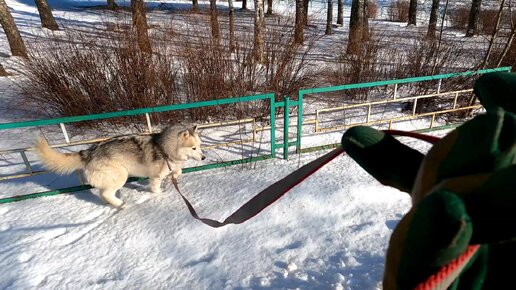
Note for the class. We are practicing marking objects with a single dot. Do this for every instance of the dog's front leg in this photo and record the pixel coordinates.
(156, 181)
(176, 173)
(155, 184)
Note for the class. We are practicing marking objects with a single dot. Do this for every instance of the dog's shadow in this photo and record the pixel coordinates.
(139, 185)
(52, 181)
(89, 196)
(92, 195)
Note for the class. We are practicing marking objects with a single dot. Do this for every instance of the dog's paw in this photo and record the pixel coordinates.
(156, 190)
(122, 206)
(142, 199)
(176, 175)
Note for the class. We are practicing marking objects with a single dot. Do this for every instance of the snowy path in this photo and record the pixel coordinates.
(330, 232)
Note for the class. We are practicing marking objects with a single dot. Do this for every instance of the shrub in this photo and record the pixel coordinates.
(84, 74)
(510, 58)
(487, 21)
(459, 17)
(208, 69)
(372, 9)
(379, 59)
(104, 72)
(398, 11)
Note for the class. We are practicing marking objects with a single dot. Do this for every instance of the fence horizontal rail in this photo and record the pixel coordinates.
(133, 112)
(390, 121)
(402, 81)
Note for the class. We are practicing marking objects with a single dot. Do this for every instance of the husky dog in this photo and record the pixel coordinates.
(107, 165)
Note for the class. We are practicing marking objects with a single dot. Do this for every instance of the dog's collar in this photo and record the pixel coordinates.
(167, 158)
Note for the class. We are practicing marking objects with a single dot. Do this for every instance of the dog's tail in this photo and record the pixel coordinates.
(62, 163)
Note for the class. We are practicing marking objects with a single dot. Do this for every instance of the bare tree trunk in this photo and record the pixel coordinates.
(299, 36)
(357, 26)
(489, 49)
(259, 30)
(140, 22)
(432, 25)
(412, 18)
(215, 31)
(493, 36)
(269, 7)
(111, 5)
(474, 14)
(365, 24)
(434, 66)
(244, 4)
(340, 12)
(232, 44)
(3, 72)
(45, 14)
(329, 17)
(195, 5)
(11, 31)
(305, 12)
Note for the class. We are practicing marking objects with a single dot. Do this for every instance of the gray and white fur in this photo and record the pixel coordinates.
(108, 164)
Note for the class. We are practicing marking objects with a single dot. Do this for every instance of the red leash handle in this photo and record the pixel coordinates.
(448, 273)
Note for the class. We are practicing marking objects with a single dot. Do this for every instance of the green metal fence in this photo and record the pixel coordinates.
(302, 93)
(73, 119)
(287, 104)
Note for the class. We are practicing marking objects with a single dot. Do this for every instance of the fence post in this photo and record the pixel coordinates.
(285, 127)
(149, 125)
(67, 139)
(299, 121)
(273, 125)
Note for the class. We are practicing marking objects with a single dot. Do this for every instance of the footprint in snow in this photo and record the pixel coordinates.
(45, 234)
(92, 216)
(142, 199)
(76, 235)
(53, 233)
(4, 210)
(25, 257)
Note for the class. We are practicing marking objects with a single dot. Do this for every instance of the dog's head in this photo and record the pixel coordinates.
(189, 145)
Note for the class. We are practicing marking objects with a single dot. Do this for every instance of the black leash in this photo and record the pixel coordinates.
(267, 196)
(272, 193)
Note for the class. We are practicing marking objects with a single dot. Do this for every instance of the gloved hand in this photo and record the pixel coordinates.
(463, 193)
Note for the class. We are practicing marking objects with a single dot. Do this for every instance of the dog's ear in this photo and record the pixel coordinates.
(184, 134)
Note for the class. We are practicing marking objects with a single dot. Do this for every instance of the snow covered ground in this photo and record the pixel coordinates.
(329, 232)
